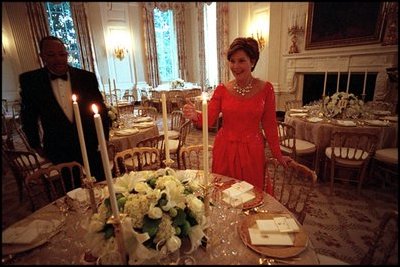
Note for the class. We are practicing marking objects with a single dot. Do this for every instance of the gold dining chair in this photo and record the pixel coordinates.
(137, 159)
(176, 145)
(154, 141)
(297, 148)
(22, 164)
(385, 164)
(349, 152)
(292, 186)
(191, 157)
(148, 111)
(176, 121)
(53, 182)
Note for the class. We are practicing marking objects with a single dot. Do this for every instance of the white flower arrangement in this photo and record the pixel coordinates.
(112, 112)
(157, 207)
(178, 83)
(342, 103)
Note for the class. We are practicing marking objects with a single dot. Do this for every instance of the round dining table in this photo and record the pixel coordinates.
(67, 244)
(319, 130)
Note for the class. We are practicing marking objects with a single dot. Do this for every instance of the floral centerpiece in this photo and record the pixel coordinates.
(178, 83)
(157, 207)
(343, 104)
(112, 114)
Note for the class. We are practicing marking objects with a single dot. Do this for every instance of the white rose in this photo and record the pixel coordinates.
(195, 204)
(173, 243)
(155, 213)
(141, 187)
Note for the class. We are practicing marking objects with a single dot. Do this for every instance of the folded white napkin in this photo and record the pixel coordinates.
(390, 118)
(144, 124)
(143, 119)
(381, 112)
(278, 225)
(298, 114)
(238, 193)
(125, 132)
(298, 110)
(79, 194)
(346, 123)
(30, 233)
(278, 239)
(237, 189)
(314, 119)
(376, 122)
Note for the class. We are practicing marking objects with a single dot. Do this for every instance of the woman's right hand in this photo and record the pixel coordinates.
(189, 111)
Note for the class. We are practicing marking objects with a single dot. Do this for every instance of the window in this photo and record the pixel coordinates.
(166, 44)
(210, 41)
(61, 25)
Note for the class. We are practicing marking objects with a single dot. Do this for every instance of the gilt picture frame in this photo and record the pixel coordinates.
(338, 24)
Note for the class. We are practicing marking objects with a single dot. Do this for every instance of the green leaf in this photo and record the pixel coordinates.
(179, 218)
(150, 225)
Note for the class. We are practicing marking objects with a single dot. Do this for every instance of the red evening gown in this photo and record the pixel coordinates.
(239, 144)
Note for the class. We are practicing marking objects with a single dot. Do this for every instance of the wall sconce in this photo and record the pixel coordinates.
(119, 52)
(260, 39)
(296, 26)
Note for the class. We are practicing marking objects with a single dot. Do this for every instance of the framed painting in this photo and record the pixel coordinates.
(335, 24)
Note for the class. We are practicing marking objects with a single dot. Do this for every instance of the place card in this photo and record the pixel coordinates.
(237, 189)
(277, 239)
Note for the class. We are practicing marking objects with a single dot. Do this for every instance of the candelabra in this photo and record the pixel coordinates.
(119, 52)
(294, 31)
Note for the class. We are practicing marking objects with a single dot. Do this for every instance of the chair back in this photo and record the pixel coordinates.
(155, 141)
(350, 146)
(191, 157)
(22, 164)
(385, 240)
(137, 159)
(287, 139)
(177, 119)
(291, 186)
(379, 106)
(293, 104)
(148, 111)
(54, 181)
(184, 130)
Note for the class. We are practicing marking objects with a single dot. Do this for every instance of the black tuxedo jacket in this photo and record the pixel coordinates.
(60, 136)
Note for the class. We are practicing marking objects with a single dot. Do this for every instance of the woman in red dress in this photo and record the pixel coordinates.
(248, 107)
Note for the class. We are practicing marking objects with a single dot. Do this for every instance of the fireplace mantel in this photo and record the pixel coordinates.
(355, 59)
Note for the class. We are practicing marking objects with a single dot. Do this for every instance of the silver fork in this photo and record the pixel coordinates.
(270, 261)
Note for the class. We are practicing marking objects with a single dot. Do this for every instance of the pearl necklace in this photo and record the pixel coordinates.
(243, 90)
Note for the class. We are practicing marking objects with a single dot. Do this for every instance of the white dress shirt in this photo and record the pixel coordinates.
(63, 93)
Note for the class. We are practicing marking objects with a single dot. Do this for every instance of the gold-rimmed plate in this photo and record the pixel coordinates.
(300, 241)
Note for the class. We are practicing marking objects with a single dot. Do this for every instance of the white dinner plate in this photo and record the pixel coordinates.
(377, 123)
(298, 114)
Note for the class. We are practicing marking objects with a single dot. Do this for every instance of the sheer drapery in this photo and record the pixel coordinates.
(87, 52)
(179, 19)
(150, 44)
(222, 43)
(150, 38)
(38, 24)
(202, 55)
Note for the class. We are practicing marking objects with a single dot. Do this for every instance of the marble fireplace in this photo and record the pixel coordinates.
(305, 72)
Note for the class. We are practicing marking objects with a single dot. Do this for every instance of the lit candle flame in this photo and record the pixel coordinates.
(95, 109)
(74, 98)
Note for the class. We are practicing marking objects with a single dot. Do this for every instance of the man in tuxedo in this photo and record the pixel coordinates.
(46, 95)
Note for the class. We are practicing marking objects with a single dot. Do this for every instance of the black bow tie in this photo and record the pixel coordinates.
(55, 76)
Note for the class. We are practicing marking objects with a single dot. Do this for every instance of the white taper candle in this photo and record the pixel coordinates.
(165, 126)
(365, 82)
(81, 136)
(326, 78)
(348, 82)
(205, 137)
(104, 158)
(337, 83)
